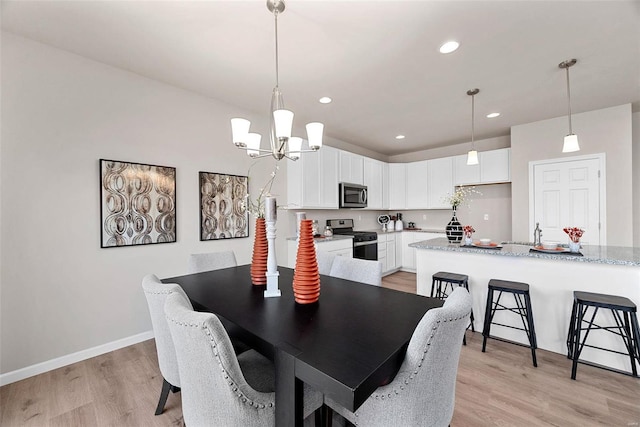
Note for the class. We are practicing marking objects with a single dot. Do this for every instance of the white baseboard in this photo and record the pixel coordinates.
(59, 362)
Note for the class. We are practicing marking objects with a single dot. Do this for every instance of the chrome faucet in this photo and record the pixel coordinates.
(537, 235)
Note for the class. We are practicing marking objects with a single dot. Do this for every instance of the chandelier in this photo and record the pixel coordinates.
(282, 143)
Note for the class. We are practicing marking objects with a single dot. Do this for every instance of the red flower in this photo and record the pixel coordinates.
(574, 233)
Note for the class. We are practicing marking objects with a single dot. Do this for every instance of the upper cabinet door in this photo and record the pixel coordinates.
(440, 182)
(417, 179)
(464, 174)
(374, 180)
(329, 177)
(312, 181)
(397, 185)
(495, 166)
(351, 168)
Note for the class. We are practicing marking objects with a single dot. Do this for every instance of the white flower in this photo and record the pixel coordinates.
(459, 196)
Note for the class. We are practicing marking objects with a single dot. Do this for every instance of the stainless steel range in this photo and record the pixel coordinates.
(365, 243)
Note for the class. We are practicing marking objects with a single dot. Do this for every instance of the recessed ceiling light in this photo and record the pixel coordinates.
(325, 100)
(492, 115)
(400, 137)
(449, 47)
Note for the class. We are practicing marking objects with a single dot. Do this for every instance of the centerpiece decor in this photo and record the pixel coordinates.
(306, 278)
(468, 233)
(575, 233)
(257, 207)
(454, 228)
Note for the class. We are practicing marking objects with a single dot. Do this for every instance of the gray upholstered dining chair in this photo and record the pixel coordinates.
(218, 387)
(211, 261)
(156, 293)
(325, 261)
(358, 270)
(423, 391)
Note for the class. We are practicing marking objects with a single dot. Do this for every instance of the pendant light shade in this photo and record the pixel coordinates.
(571, 140)
(472, 155)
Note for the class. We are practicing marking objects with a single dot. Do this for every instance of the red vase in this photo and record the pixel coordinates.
(306, 278)
(260, 252)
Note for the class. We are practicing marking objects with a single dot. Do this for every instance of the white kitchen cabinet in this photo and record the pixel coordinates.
(464, 174)
(439, 182)
(391, 252)
(387, 251)
(408, 253)
(375, 180)
(397, 186)
(494, 167)
(417, 187)
(312, 181)
(385, 185)
(351, 168)
(340, 247)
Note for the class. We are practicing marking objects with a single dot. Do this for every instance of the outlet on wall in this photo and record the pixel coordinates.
(424, 216)
(359, 217)
(486, 217)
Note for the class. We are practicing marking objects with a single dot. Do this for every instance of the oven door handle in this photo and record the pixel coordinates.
(370, 242)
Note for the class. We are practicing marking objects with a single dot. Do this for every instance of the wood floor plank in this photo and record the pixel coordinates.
(497, 388)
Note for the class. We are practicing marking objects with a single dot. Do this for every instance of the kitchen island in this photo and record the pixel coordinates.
(552, 278)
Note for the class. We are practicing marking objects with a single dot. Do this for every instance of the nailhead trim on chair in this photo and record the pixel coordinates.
(232, 385)
(413, 375)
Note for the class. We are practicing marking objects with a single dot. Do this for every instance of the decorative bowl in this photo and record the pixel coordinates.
(485, 242)
(549, 245)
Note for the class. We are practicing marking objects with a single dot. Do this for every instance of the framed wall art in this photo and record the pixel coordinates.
(137, 204)
(223, 214)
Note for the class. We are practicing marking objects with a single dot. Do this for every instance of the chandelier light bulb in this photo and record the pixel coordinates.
(295, 145)
(239, 131)
(314, 135)
(253, 144)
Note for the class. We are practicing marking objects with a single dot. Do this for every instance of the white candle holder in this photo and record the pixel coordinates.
(272, 265)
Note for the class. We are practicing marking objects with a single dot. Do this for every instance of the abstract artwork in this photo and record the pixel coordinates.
(137, 204)
(223, 214)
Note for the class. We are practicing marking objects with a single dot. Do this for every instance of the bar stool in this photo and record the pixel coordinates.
(522, 298)
(624, 314)
(442, 284)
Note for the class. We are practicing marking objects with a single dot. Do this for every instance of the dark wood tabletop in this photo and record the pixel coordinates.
(346, 345)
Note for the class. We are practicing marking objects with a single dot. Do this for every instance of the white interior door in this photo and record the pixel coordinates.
(568, 193)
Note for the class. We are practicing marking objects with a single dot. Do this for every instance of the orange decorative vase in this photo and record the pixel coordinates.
(260, 252)
(306, 278)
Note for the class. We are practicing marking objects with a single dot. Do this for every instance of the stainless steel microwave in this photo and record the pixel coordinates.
(353, 195)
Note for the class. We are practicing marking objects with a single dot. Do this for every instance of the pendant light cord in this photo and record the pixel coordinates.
(275, 14)
(569, 98)
(473, 109)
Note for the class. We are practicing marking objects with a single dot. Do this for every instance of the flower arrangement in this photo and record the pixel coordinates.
(574, 233)
(256, 207)
(460, 196)
(468, 231)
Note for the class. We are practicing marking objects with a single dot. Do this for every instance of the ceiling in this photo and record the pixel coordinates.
(378, 60)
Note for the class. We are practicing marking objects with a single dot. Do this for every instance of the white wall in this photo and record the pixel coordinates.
(601, 131)
(636, 178)
(61, 293)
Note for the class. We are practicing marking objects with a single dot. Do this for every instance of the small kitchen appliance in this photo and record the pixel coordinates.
(383, 220)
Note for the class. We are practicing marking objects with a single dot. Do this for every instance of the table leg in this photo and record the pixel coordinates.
(289, 389)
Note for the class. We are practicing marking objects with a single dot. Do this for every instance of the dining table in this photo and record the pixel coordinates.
(345, 345)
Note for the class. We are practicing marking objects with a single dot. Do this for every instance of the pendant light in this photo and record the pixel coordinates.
(472, 155)
(283, 145)
(571, 140)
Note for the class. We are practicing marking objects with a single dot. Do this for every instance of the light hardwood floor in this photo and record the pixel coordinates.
(496, 388)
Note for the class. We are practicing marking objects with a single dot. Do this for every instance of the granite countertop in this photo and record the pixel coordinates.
(421, 230)
(613, 255)
(326, 239)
